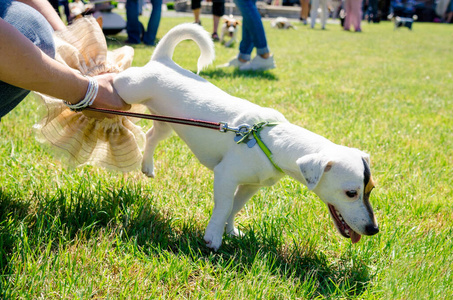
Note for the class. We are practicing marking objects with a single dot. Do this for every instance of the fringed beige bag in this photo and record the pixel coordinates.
(114, 143)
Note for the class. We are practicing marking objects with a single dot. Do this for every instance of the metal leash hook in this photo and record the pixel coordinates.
(240, 130)
(242, 133)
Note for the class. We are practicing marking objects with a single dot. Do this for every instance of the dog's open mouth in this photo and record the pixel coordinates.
(342, 226)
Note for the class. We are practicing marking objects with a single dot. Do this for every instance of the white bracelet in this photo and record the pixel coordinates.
(92, 92)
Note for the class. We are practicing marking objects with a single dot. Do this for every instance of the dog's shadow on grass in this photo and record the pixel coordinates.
(214, 73)
(153, 231)
(303, 263)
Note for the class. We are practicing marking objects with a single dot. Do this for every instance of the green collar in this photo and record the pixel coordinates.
(255, 131)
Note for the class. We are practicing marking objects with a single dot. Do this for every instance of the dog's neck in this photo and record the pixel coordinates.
(289, 142)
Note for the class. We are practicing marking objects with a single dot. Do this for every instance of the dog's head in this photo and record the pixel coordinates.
(230, 25)
(343, 181)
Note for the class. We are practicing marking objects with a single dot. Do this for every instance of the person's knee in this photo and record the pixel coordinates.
(32, 25)
(157, 4)
(218, 7)
(195, 4)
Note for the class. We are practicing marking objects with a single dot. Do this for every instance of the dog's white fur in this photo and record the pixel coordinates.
(327, 169)
(229, 29)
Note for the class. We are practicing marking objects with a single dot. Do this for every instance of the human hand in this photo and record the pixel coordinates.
(107, 97)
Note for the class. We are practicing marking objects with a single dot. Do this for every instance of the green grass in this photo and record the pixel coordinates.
(90, 233)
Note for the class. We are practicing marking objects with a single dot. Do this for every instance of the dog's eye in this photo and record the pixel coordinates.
(351, 193)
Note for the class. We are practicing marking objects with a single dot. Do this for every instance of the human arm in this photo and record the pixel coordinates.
(24, 65)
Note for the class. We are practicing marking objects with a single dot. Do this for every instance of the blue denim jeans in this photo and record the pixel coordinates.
(253, 35)
(36, 28)
(134, 28)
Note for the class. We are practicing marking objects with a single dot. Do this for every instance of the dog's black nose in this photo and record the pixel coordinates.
(371, 229)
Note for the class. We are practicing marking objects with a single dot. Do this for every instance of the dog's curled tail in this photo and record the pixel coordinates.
(182, 32)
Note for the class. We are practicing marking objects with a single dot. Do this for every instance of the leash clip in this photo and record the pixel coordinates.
(223, 126)
(241, 130)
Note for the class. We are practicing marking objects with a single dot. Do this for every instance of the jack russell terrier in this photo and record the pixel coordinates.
(282, 23)
(229, 29)
(339, 175)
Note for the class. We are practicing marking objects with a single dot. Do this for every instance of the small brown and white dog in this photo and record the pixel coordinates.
(282, 23)
(229, 30)
(339, 175)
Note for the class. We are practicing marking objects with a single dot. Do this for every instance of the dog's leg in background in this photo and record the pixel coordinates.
(222, 34)
(225, 185)
(242, 195)
(229, 43)
(157, 133)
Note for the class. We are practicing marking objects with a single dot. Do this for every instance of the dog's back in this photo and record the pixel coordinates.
(167, 89)
(175, 91)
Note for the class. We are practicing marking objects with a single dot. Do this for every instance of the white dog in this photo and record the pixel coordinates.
(229, 29)
(339, 175)
(282, 23)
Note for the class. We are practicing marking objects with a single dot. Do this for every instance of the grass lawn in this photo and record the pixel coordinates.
(91, 233)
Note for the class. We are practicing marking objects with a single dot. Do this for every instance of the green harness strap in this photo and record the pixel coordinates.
(255, 131)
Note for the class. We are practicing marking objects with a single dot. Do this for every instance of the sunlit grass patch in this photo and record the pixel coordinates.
(91, 233)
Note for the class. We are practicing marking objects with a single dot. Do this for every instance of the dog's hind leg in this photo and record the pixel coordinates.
(225, 186)
(242, 195)
(157, 133)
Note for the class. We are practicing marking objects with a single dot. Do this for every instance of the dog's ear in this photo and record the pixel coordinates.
(364, 155)
(312, 167)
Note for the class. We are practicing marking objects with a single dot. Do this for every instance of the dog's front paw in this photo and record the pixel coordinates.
(147, 172)
(148, 169)
(213, 240)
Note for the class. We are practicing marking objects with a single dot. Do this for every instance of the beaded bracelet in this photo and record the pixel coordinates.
(92, 92)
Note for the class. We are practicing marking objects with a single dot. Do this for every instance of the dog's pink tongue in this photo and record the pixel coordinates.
(355, 237)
